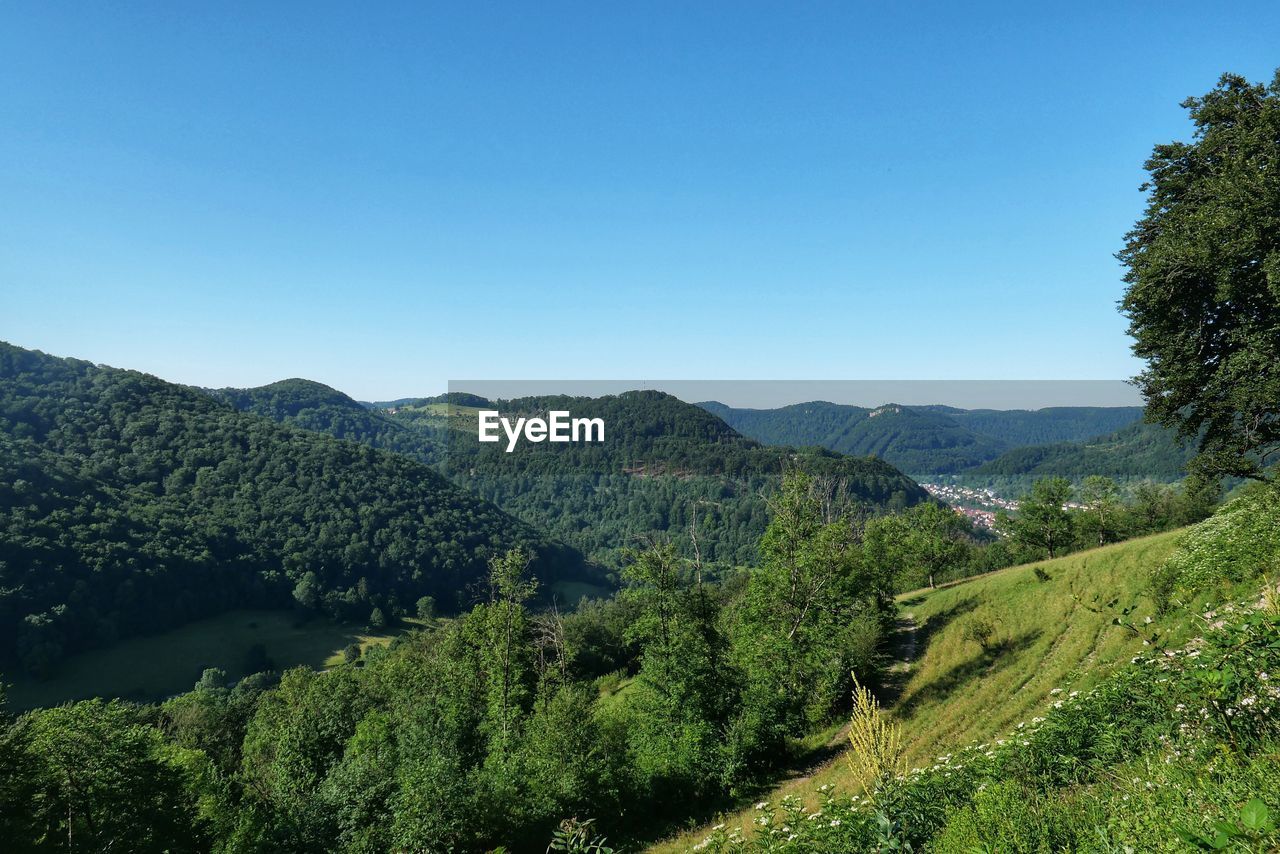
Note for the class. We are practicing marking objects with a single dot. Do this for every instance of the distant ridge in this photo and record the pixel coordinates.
(667, 468)
(923, 440)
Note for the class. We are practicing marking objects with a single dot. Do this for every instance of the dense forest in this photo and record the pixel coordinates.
(666, 468)
(773, 611)
(1137, 451)
(493, 727)
(944, 440)
(129, 505)
(314, 406)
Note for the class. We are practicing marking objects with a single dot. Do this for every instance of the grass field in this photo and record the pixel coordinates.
(151, 668)
(1049, 634)
(568, 593)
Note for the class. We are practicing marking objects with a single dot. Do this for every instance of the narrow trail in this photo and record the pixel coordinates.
(904, 646)
(905, 643)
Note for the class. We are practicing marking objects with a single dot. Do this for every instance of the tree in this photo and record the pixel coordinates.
(509, 590)
(1043, 523)
(104, 781)
(1101, 498)
(681, 700)
(1203, 297)
(936, 538)
(980, 631)
(810, 617)
(426, 608)
(914, 547)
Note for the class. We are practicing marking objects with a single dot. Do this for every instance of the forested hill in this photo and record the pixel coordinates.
(1018, 427)
(129, 504)
(666, 468)
(923, 440)
(915, 440)
(1137, 451)
(315, 406)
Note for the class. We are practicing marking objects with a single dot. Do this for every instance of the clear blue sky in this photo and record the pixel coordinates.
(384, 197)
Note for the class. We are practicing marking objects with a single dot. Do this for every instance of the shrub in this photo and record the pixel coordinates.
(980, 631)
(875, 744)
(1239, 542)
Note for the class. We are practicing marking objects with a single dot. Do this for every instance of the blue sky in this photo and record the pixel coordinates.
(389, 197)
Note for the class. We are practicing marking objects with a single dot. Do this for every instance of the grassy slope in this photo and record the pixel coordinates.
(1049, 636)
(158, 666)
(154, 667)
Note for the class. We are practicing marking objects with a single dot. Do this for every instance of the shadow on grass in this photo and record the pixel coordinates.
(988, 662)
(908, 644)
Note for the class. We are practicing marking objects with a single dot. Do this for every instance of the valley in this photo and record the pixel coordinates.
(264, 589)
(240, 643)
(700, 601)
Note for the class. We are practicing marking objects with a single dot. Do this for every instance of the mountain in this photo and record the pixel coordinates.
(458, 398)
(1017, 427)
(802, 424)
(666, 467)
(1137, 451)
(923, 440)
(315, 406)
(914, 439)
(130, 505)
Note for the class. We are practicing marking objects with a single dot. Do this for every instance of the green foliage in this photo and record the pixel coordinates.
(683, 697)
(929, 439)
(426, 608)
(1203, 300)
(1134, 451)
(130, 505)
(666, 470)
(917, 547)
(810, 618)
(575, 837)
(1175, 749)
(1043, 526)
(313, 406)
(1239, 542)
(980, 631)
(96, 777)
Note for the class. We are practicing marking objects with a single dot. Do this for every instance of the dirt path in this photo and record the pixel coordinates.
(904, 645)
(905, 641)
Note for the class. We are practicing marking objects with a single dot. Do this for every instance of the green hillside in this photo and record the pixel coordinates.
(1065, 634)
(129, 505)
(314, 406)
(665, 468)
(916, 440)
(924, 440)
(1017, 427)
(1137, 451)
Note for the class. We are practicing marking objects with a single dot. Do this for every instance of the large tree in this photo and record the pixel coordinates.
(1203, 299)
(1043, 525)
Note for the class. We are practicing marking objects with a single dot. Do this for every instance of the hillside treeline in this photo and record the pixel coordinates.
(130, 505)
(666, 468)
(489, 730)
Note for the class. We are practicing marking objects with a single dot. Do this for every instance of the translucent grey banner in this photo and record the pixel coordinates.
(770, 394)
